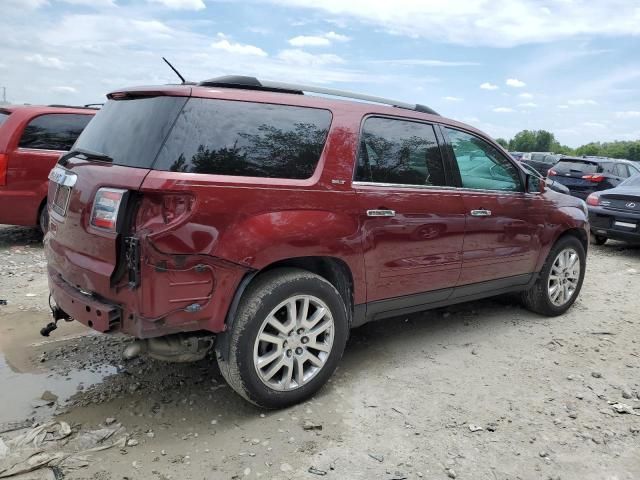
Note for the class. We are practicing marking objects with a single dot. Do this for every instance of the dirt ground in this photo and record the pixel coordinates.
(484, 390)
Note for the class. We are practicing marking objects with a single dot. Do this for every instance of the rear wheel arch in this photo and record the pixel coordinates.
(332, 269)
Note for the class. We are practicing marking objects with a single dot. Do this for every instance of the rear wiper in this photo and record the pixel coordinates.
(88, 154)
(93, 155)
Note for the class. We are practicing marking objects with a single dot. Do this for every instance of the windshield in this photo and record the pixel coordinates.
(131, 132)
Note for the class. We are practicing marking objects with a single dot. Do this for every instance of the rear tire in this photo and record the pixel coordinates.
(43, 219)
(598, 239)
(280, 352)
(560, 282)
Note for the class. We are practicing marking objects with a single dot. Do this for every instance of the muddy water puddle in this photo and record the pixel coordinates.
(24, 379)
(34, 394)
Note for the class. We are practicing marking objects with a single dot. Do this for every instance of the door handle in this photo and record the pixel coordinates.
(381, 213)
(481, 213)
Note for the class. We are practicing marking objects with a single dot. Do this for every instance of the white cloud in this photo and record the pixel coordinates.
(528, 105)
(582, 101)
(181, 4)
(452, 99)
(563, 107)
(466, 22)
(64, 89)
(428, 62)
(47, 62)
(309, 41)
(515, 83)
(503, 110)
(526, 95)
(300, 57)
(594, 125)
(91, 3)
(237, 48)
(323, 40)
(488, 86)
(628, 114)
(336, 37)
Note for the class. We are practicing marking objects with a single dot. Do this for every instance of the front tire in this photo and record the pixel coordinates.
(560, 280)
(287, 338)
(43, 219)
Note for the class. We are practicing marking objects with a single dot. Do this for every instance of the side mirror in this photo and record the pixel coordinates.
(535, 184)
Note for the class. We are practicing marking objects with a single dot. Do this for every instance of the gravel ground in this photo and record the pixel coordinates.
(484, 390)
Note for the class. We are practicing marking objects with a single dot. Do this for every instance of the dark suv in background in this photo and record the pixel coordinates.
(252, 218)
(32, 138)
(584, 176)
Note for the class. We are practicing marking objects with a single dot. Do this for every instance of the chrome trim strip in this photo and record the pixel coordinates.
(62, 176)
(401, 185)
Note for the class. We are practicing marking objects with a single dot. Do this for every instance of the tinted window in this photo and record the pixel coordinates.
(131, 132)
(3, 117)
(57, 131)
(481, 165)
(577, 166)
(399, 151)
(246, 139)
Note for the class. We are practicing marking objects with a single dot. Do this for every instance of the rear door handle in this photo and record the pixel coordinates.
(381, 213)
(481, 213)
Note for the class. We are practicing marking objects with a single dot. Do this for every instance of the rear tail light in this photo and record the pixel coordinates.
(106, 207)
(593, 200)
(551, 173)
(595, 178)
(4, 164)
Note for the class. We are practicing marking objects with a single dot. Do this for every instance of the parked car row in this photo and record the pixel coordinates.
(32, 138)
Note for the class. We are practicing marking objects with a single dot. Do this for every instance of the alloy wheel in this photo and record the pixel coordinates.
(293, 343)
(564, 277)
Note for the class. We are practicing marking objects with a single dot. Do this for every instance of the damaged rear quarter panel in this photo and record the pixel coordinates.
(235, 229)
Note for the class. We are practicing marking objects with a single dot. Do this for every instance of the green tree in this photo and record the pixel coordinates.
(502, 142)
(524, 141)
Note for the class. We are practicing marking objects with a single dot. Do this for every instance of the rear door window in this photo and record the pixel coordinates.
(3, 117)
(482, 166)
(620, 170)
(57, 131)
(399, 152)
(246, 139)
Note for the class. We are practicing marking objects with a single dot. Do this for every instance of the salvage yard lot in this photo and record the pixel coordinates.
(475, 391)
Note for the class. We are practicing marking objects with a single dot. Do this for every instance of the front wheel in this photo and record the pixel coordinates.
(43, 219)
(287, 338)
(560, 280)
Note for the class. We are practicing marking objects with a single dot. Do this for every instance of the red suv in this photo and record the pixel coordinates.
(265, 223)
(31, 141)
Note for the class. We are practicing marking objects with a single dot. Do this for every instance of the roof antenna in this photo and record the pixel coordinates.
(175, 70)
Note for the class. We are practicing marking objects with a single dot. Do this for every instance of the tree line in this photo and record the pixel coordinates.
(544, 141)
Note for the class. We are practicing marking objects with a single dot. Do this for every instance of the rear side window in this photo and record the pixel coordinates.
(576, 166)
(246, 139)
(3, 117)
(399, 152)
(620, 170)
(57, 131)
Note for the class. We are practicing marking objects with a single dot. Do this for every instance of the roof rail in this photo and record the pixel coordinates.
(90, 106)
(252, 83)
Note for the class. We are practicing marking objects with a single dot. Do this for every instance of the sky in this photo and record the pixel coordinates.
(568, 66)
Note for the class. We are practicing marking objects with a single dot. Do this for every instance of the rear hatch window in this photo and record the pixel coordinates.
(3, 116)
(197, 135)
(131, 131)
(577, 167)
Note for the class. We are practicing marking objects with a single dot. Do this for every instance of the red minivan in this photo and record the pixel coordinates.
(32, 138)
(254, 219)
